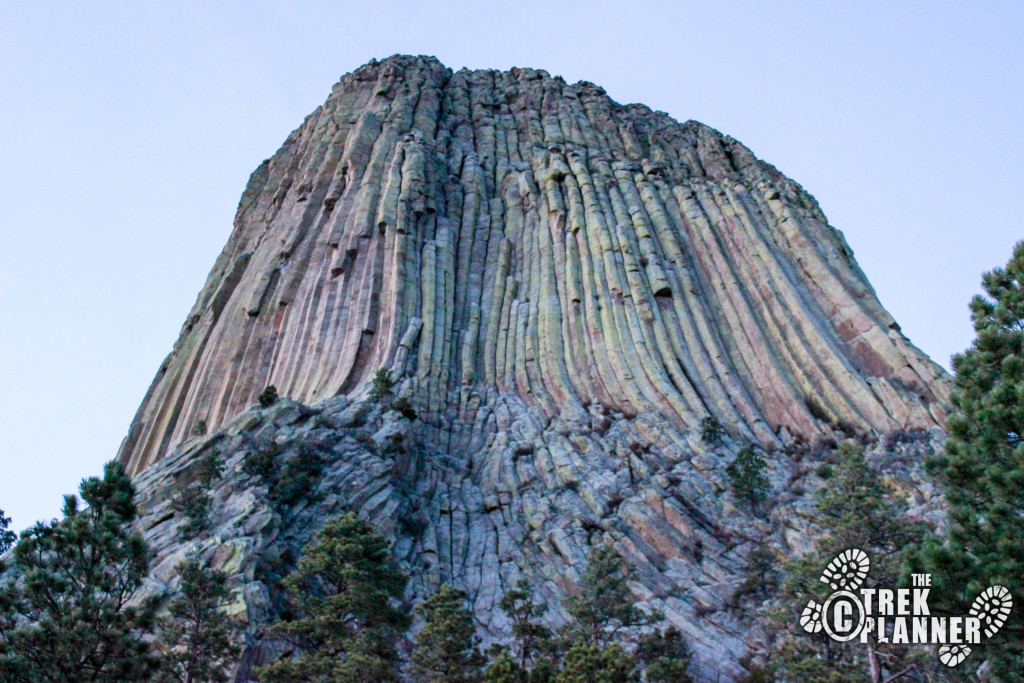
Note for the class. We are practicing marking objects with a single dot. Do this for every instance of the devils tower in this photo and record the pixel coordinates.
(564, 290)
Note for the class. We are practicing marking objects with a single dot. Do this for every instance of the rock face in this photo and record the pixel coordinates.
(564, 288)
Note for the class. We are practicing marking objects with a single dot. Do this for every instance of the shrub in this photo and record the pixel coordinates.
(209, 468)
(711, 430)
(194, 503)
(288, 481)
(382, 386)
(297, 477)
(268, 397)
(597, 664)
(413, 524)
(761, 569)
(260, 463)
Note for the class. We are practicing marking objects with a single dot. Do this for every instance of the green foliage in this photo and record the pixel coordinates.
(446, 647)
(854, 511)
(982, 469)
(530, 636)
(342, 598)
(194, 503)
(603, 604)
(814, 659)
(7, 537)
(200, 429)
(297, 477)
(593, 647)
(711, 430)
(196, 634)
(260, 462)
(209, 468)
(746, 473)
(383, 385)
(69, 618)
(761, 570)
(590, 663)
(505, 669)
(665, 670)
(545, 670)
(531, 658)
(290, 481)
(268, 397)
(665, 656)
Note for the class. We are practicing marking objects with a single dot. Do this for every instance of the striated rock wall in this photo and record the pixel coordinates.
(492, 234)
(564, 288)
(529, 505)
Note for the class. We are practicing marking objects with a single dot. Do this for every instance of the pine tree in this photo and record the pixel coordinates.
(854, 512)
(196, 633)
(526, 662)
(589, 663)
(665, 656)
(749, 482)
(68, 618)
(342, 595)
(505, 669)
(545, 670)
(982, 469)
(603, 604)
(529, 634)
(446, 647)
(7, 537)
(209, 468)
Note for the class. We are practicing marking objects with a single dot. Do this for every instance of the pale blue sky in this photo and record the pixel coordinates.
(128, 131)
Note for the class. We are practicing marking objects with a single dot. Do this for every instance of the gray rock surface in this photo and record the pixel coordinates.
(564, 288)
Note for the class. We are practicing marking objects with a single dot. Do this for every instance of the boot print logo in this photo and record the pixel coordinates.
(899, 615)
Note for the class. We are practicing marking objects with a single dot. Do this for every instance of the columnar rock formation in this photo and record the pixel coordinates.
(505, 234)
(564, 288)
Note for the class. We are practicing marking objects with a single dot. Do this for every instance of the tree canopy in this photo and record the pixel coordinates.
(69, 616)
(982, 468)
(344, 621)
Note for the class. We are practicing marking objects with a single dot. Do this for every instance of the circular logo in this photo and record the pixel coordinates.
(843, 616)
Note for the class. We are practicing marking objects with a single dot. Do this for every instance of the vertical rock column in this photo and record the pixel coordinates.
(504, 236)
